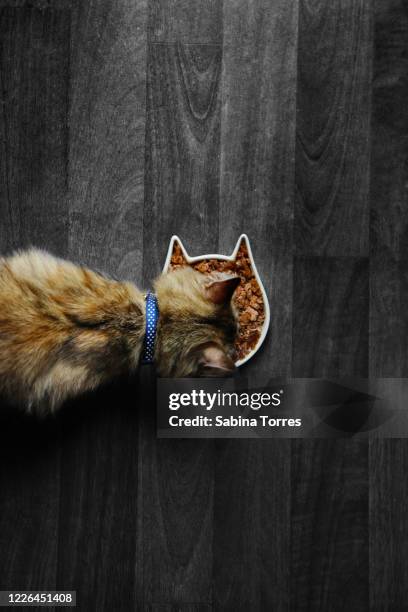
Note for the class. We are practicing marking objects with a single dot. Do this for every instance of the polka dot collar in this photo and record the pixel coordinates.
(152, 317)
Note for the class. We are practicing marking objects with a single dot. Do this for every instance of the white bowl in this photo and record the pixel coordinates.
(231, 257)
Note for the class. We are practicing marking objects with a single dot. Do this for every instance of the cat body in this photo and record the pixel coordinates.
(65, 329)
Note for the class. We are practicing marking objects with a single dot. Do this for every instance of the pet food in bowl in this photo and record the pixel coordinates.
(249, 298)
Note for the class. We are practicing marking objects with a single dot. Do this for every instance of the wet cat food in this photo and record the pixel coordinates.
(247, 298)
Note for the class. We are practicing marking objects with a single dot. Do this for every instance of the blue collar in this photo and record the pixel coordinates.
(152, 317)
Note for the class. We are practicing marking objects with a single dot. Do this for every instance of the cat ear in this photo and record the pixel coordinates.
(220, 291)
(215, 362)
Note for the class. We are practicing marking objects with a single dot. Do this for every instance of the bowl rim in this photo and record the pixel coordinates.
(190, 259)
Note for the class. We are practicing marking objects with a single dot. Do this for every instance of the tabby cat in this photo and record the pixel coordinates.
(65, 329)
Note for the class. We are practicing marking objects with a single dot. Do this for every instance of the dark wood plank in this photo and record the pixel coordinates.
(388, 524)
(389, 170)
(330, 319)
(330, 478)
(388, 282)
(178, 515)
(107, 127)
(257, 166)
(99, 514)
(33, 122)
(333, 128)
(329, 525)
(33, 209)
(188, 21)
(182, 179)
(182, 150)
(252, 522)
(330, 330)
(257, 162)
(388, 319)
(388, 192)
(100, 520)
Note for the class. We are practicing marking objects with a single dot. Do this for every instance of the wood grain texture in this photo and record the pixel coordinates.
(257, 162)
(33, 137)
(33, 128)
(329, 548)
(388, 320)
(188, 21)
(330, 318)
(178, 501)
(388, 524)
(98, 525)
(182, 194)
(107, 131)
(333, 128)
(252, 510)
(257, 169)
(388, 296)
(388, 195)
(329, 568)
(182, 150)
(329, 517)
(389, 169)
(99, 517)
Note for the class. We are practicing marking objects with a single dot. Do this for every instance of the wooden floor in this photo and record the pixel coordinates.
(124, 121)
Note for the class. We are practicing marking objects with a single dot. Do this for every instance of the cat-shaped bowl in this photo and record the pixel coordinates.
(243, 239)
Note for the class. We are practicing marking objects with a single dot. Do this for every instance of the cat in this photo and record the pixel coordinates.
(66, 330)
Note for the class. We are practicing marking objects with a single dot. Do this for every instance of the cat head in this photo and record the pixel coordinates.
(198, 322)
(197, 325)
